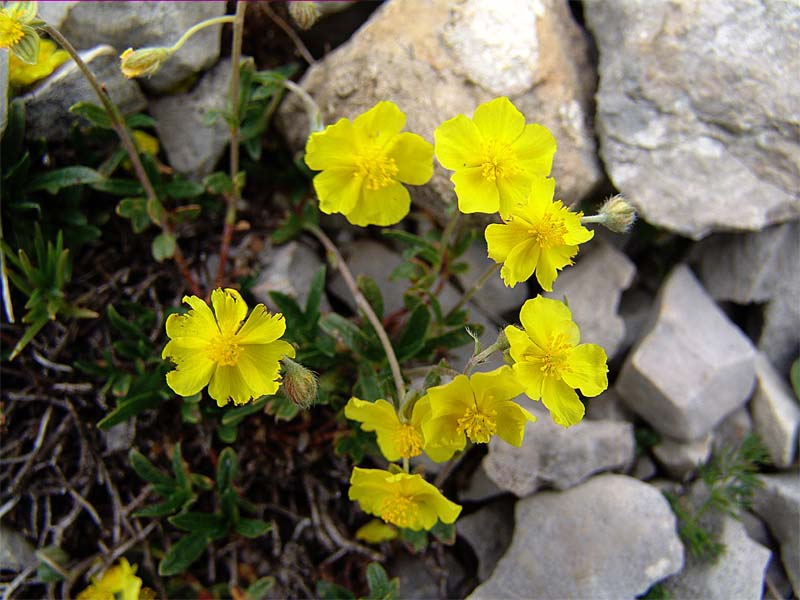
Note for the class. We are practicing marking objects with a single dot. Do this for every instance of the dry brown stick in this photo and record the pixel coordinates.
(287, 29)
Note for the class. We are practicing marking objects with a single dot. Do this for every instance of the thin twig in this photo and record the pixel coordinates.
(287, 29)
(479, 283)
(37, 444)
(18, 580)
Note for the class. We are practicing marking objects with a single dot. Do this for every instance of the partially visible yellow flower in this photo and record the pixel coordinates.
(541, 236)
(145, 142)
(477, 408)
(376, 532)
(237, 361)
(495, 156)
(17, 32)
(51, 57)
(550, 362)
(407, 501)
(143, 62)
(395, 439)
(120, 579)
(365, 163)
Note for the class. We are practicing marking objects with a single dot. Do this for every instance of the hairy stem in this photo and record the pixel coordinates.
(201, 25)
(364, 305)
(475, 287)
(118, 123)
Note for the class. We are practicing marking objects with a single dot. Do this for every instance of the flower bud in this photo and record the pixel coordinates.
(304, 14)
(618, 214)
(299, 383)
(143, 62)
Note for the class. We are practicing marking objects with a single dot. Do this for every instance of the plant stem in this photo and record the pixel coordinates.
(500, 344)
(120, 127)
(201, 25)
(601, 219)
(475, 287)
(405, 464)
(364, 305)
(234, 197)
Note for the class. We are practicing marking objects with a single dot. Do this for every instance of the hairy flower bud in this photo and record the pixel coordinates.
(299, 383)
(304, 14)
(143, 62)
(618, 214)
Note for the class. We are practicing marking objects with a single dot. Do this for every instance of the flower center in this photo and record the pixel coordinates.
(549, 232)
(10, 31)
(224, 350)
(554, 359)
(498, 161)
(399, 510)
(408, 440)
(377, 169)
(479, 426)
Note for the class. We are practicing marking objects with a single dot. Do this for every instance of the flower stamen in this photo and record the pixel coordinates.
(399, 510)
(408, 441)
(479, 426)
(224, 350)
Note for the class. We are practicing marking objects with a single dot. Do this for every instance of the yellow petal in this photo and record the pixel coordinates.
(529, 374)
(587, 369)
(542, 318)
(385, 206)
(562, 402)
(513, 192)
(535, 149)
(338, 190)
(511, 420)
(414, 158)
(475, 193)
(520, 263)
(376, 532)
(501, 239)
(261, 327)
(446, 510)
(380, 417)
(452, 398)
(229, 308)
(227, 383)
(370, 487)
(333, 148)
(380, 123)
(521, 344)
(499, 120)
(458, 143)
(259, 366)
(540, 200)
(193, 368)
(198, 322)
(495, 386)
(551, 261)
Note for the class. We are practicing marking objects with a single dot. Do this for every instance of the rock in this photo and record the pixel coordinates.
(488, 530)
(738, 573)
(733, 429)
(687, 94)
(192, 147)
(778, 505)
(750, 267)
(611, 537)
(780, 336)
(418, 581)
(693, 368)
(551, 456)
(289, 269)
(47, 106)
(644, 468)
(608, 406)
(470, 52)
(593, 288)
(636, 310)
(680, 459)
(16, 553)
(776, 415)
(120, 437)
(479, 487)
(139, 24)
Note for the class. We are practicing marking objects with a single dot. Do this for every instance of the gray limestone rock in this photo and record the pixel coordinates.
(141, 24)
(780, 336)
(16, 553)
(778, 505)
(611, 537)
(681, 458)
(551, 456)
(192, 147)
(693, 368)
(691, 126)
(738, 573)
(47, 106)
(289, 269)
(593, 288)
(488, 530)
(644, 468)
(479, 487)
(776, 415)
(608, 406)
(469, 51)
(733, 428)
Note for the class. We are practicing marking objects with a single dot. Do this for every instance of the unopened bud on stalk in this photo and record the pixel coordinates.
(617, 214)
(299, 383)
(304, 14)
(143, 62)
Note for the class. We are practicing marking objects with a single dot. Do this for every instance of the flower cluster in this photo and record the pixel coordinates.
(18, 24)
(119, 581)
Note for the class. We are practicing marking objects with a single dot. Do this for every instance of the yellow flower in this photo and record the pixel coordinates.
(376, 532)
(143, 62)
(407, 501)
(477, 408)
(21, 74)
(495, 156)
(395, 439)
(120, 579)
(16, 31)
(541, 236)
(364, 164)
(237, 362)
(549, 361)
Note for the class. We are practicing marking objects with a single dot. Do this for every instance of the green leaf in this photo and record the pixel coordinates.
(163, 246)
(119, 187)
(227, 433)
(331, 591)
(314, 298)
(380, 586)
(234, 416)
(259, 588)
(174, 502)
(367, 384)
(291, 310)
(344, 331)
(418, 540)
(96, 115)
(27, 48)
(210, 524)
(54, 180)
(140, 121)
(123, 325)
(794, 376)
(372, 293)
(252, 528)
(227, 467)
(218, 183)
(283, 409)
(413, 338)
(52, 564)
(444, 532)
(181, 555)
(179, 469)
(131, 406)
(180, 189)
(147, 470)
